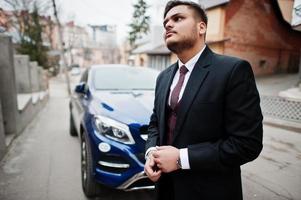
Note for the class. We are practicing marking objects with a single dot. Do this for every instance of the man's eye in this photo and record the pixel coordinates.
(178, 19)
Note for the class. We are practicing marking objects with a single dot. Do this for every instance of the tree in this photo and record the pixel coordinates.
(21, 9)
(140, 22)
(26, 23)
(31, 42)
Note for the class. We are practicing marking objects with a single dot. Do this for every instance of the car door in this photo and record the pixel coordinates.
(78, 101)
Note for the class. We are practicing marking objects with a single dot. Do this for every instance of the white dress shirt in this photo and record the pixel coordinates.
(189, 65)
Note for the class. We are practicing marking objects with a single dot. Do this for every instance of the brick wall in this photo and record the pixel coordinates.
(258, 34)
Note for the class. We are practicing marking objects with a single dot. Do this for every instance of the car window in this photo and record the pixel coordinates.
(124, 78)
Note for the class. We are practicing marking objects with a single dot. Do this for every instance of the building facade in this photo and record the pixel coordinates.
(256, 31)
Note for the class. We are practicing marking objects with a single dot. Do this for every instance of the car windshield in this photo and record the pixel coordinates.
(124, 78)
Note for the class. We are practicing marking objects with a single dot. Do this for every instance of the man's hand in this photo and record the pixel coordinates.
(166, 158)
(151, 169)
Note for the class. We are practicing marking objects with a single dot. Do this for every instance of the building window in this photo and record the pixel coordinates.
(263, 64)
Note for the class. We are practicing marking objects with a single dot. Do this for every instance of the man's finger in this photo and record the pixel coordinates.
(155, 154)
(157, 173)
(149, 165)
(157, 161)
(152, 175)
(155, 176)
(151, 162)
(148, 170)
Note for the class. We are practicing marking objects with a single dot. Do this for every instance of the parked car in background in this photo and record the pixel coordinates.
(69, 67)
(109, 111)
(75, 71)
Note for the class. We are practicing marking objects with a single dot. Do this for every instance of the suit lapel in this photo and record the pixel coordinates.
(167, 80)
(196, 79)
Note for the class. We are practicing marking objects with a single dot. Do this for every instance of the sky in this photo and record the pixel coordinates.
(113, 12)
(101, 12)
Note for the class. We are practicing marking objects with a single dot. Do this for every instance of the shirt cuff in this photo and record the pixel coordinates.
(184, 158)
(148, 150)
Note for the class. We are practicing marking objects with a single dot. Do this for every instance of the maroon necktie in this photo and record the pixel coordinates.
(176, 91)
(172, 118)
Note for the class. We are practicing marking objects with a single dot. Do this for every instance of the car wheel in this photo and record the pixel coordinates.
(72, 128)
(90, 187)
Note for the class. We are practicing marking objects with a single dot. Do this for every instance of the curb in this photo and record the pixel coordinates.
(288, 125)
(292, 94)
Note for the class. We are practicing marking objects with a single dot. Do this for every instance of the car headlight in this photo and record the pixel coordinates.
(113, 130)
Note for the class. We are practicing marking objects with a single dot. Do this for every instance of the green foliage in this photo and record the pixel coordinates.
(31, 40)
(140, 22)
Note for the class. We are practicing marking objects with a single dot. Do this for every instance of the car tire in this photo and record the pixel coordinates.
(72, 129)
(90, 187)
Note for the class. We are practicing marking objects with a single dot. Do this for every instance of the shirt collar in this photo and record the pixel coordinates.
(190, 63)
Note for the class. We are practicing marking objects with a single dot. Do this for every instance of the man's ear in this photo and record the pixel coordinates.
(202, 28)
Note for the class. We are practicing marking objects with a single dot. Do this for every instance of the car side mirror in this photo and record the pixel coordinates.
(81, 88)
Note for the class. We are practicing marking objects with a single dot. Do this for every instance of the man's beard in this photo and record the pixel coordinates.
(180, 46)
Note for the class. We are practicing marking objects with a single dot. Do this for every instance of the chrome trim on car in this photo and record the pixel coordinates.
(144, 136)
(141, 188)
(114, 165)
(129, 182)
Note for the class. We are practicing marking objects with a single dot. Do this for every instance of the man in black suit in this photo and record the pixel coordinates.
(206, 120)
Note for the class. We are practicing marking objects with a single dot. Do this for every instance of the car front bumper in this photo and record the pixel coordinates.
(121, 167)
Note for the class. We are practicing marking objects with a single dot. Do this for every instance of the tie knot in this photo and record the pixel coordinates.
(183, 69)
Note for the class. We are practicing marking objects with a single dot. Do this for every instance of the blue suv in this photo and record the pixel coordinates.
(109, 111)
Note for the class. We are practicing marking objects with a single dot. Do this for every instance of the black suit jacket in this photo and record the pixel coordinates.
(220, 122)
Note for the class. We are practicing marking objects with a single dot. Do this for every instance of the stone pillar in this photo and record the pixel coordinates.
(22, 72)
(40, 78)
(34, 82)
(2, 135)
(45, 80)
(8, 92)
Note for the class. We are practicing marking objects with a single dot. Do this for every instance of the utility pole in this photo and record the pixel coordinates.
(61, 47)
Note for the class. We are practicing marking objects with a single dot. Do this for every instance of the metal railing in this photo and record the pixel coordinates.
(280, 108)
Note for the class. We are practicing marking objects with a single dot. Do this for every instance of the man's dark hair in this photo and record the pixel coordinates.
(199, 11)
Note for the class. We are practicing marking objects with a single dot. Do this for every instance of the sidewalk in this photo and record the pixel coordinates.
(273, 84)
(293, 94)
(281, 100)
(275, 174)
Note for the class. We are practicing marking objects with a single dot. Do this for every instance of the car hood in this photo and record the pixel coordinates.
(129, 107)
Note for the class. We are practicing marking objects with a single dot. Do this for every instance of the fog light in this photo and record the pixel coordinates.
(104, 147)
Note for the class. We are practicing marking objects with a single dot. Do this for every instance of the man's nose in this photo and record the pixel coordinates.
(169, 25)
